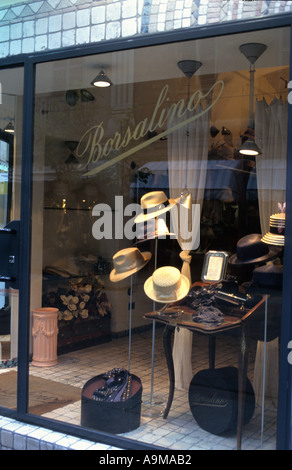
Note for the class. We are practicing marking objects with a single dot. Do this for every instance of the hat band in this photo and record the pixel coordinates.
(280, 230)
(151, 210)
(126, 267)
(166, 292)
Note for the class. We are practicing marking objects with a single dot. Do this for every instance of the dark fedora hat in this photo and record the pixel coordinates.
(251, 250)
(269, 275)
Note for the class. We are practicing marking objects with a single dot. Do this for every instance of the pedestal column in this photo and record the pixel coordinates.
(44, 333)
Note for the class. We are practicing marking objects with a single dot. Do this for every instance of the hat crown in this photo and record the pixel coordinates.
(166, 280)
(153, 199)
(151, 228)
(251, 247)
(166, 285)
(128, 259)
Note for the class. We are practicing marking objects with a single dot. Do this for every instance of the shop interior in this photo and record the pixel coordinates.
(84, 192)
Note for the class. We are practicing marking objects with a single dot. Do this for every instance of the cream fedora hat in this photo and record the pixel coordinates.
(153, 228)
(154, 204)
(127, 262)
(167, 284)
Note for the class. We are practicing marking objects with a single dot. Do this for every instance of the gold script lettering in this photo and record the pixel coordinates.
(91, 140)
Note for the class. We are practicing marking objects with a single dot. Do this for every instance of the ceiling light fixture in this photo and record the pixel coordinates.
(101, 80)
(9, 128)
(252, 51)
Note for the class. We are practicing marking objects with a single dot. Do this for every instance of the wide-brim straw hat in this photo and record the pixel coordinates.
(127, 262)
(276, 235)
(154, 204)
(251, 250)
(153, 228)
(167, 285)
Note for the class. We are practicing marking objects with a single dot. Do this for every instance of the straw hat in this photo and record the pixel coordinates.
(153, 228)
(154, 204)
(127, 262)
(167, 284)
(251, 250)
(276, 235)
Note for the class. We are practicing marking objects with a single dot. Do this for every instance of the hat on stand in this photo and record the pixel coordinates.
(154, 204)
(276, 235)
(269, 275)
(251, 250)
(153, 228)
(127, 262)
(166, 285)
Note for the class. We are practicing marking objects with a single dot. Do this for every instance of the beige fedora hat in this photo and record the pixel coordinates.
(154, 204)
(167, 284)
(127, 262)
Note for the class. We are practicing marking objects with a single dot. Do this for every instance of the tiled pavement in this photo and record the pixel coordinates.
(178, 432)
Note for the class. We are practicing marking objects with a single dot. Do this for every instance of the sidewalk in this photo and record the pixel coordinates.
(15, 435)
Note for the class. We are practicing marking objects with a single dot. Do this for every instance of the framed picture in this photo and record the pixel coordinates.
(214, 268)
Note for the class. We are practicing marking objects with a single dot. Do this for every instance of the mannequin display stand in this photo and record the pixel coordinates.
(153, 406)
(154, 204)
(166, 285)
(126, 263)
(130, 322)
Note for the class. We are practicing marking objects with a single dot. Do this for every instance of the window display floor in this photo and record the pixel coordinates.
(179, 431)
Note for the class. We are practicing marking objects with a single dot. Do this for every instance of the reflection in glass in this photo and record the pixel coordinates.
(94, 160)
(10, 164)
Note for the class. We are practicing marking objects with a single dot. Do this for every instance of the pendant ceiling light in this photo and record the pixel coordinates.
(9, 128)
(102, 80)
(252, 52)
(189, 68)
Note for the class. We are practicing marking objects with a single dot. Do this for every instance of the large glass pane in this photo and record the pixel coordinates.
(11, 95)
(102, 156)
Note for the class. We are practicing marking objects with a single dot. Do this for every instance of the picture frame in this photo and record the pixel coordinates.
(214, 267)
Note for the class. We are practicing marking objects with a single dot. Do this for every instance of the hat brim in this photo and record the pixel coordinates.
(115, 276)
(180, 294)
(273, 239)
(152, 236)
(143, 217)
(273, 253)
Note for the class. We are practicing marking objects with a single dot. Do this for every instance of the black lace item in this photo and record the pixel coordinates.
(198, 296)
(208, 315)
(117, 386)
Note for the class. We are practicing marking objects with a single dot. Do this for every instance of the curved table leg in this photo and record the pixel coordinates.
(167, 344)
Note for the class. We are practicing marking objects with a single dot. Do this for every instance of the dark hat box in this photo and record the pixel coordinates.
(111, 417)
(213, 399)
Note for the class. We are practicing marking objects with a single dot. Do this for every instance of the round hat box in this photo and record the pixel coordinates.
(213, 399)
(111, 417)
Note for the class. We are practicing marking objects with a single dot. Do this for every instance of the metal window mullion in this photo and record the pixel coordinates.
(25, 237)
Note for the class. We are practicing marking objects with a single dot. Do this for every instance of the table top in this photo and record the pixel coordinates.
(182, 316)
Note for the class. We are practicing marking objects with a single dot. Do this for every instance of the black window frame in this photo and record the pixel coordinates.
(29, 62)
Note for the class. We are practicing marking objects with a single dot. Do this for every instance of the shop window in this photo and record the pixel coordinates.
(155, 136)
